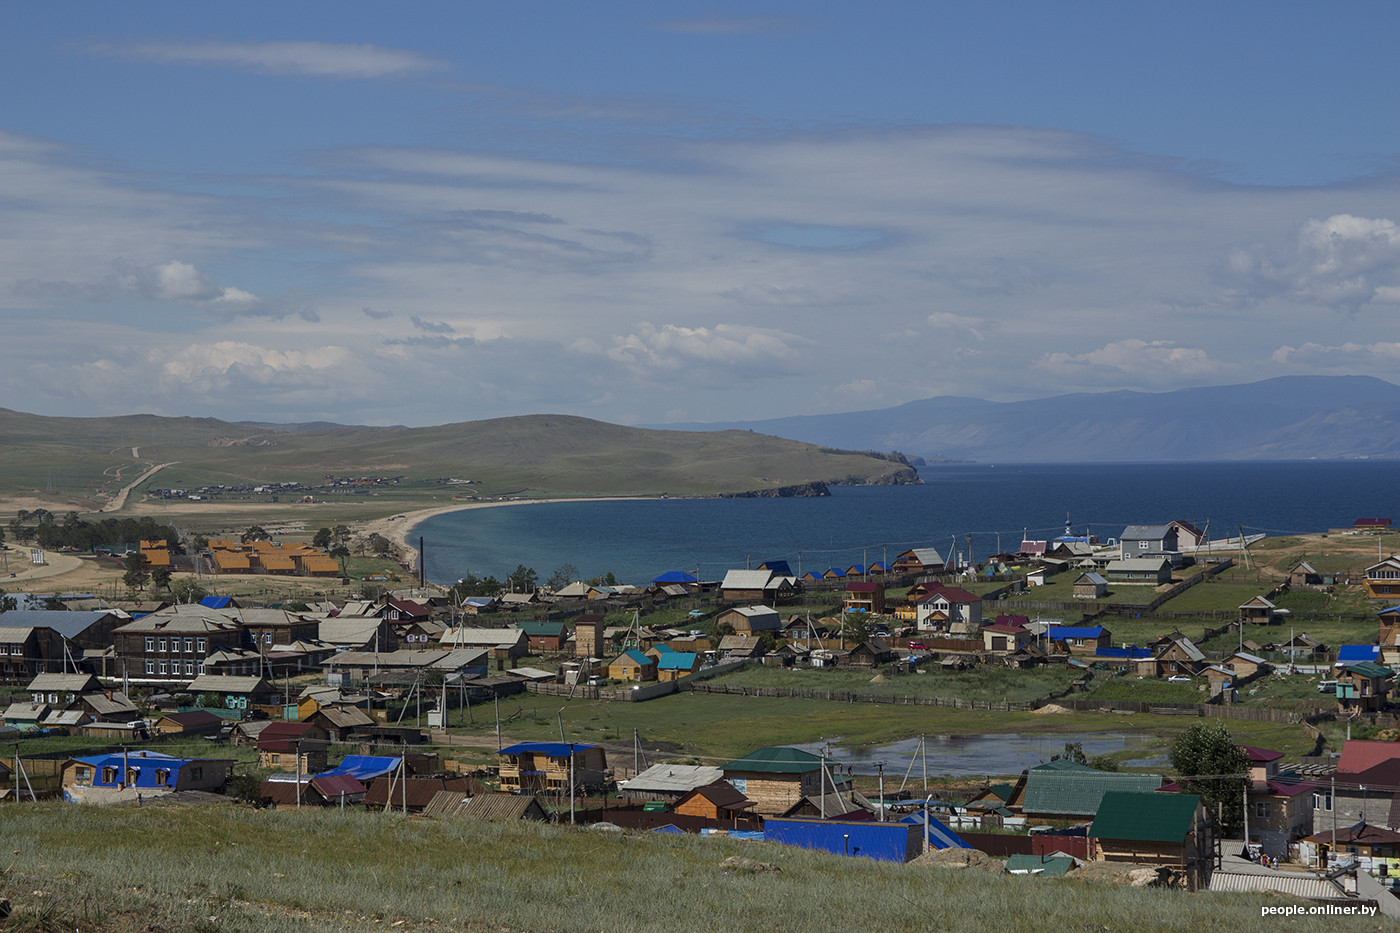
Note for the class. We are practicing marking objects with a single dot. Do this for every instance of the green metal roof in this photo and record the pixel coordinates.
(1145, 817)
(1371, 669)
(777, 759)
(542, 629)
(1077, 791)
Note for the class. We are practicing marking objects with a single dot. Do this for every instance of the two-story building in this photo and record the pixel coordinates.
(961, 610)
(550, 767)
(172, 648)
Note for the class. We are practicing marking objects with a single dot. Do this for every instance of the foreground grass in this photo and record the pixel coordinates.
(231, 869)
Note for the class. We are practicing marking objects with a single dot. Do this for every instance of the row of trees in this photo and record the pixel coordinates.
(522, 580)
(43, 528)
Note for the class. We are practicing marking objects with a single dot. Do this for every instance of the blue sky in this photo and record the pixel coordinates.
(651, 212)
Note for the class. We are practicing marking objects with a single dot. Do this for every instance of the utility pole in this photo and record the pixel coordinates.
(298, 750)
(881, 767)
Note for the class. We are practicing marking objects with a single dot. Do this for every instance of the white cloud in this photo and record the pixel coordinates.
(1380, 358)
(317, 59)
(1151, 361)
(1341, 261)
(727, 346)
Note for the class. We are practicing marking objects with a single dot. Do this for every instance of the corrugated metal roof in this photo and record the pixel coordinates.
(1297, 885)
(778, 759)
(1144, 817)
(1078, 792)
(673, 779)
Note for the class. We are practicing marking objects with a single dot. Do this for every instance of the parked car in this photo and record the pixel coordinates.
(1178, 679)
(917, 646)
(1327, 686)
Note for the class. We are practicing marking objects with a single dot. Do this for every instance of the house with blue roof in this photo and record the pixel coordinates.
(632, 665)
(673, 665)
(1348, 655)
(550, 767)
(676, 576)
(1077, 639)
(126, 774)
(364, 768)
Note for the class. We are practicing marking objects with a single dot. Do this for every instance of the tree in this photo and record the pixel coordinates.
(322, 539)
(138, 571)
(256, 533)
(380, 545)
(1074, 751)
(7, 603)
(187, 590)
(606, 579)
(160, 578)
(523, 579)
(1209, 763)
(341, 553)
(562, 577)
(855, 626)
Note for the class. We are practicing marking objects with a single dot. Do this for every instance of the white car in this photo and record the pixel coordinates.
(1178, 679)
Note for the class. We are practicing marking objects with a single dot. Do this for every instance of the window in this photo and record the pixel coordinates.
(162, 777)
(150, 667)
(189, 668)
(162, 644)
(1261, 809)
(109, 775)
(199, 645)
(150, 643)
(201, 667)
(267, 638)
(1322, 801)
(165, 667)
(189, 646)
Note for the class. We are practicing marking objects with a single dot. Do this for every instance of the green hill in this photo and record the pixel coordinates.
(86, 460)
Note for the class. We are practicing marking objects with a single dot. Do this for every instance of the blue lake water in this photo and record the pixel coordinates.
(994, 504)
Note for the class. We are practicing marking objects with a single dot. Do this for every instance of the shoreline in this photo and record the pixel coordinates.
(399, 530)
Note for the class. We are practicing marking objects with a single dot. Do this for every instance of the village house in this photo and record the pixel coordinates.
(1139, 541)
(718, 801)
(919, 560)
(1090, 585)
(1167, 830)
(1062, 789)
(499, 643)
(1364, 686)
(776, 777)
(1383, 579)
(1280, 804)
(1149, 571)
(750, 619)
(545, 637)
(1388, 636)
(39, 641)
(1173, 655)
(757, 586)
(633, 665)
(1002, 637)
(668, 781)
(865, 596)
(293, 746)
(1080, 640)
(171, 648)
(1357, 841)
(545, 767)
(193, 722)
(673, 665)
(124, 775)
(961, 610)
(1363, 789)
(1303, 574)
(1259, 611)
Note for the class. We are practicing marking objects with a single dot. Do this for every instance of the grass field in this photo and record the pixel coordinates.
(200, 870)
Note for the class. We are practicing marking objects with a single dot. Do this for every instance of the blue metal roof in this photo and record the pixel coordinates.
(559, 749)
(144, 764)
(364, 768)
(1056, 632)
(1350, 654)
(675, 576)
(676, 661)
(216, 602)
(939, 835)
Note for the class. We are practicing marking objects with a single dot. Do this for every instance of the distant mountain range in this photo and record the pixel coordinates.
(1285, 418)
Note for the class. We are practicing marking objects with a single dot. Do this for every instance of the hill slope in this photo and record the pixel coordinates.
(1287, 418)
(546, 454)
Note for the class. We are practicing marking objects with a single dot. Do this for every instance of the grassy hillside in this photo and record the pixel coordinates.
(178, 869)
(88, 459)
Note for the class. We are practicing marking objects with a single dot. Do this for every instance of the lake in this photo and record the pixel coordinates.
(983, 508)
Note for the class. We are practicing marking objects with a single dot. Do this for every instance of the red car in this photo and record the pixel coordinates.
(918, 645)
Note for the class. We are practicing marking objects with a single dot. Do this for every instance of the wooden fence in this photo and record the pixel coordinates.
(846, 696)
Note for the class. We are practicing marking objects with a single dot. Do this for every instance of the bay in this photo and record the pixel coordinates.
(994, 504)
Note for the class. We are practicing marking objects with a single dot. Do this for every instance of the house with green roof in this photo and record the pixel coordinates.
(545, 636)
(1065, 790)
(632, 665)
(1364, 686)
(1167, 830)
(776, 778)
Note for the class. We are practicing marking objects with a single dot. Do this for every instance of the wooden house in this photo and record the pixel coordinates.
(1257, 611)
(588, 636)
(495, 808)
(1173, 656)
(340, 723)
(1364, 686)
(750, 619)
(193, 722)
(919, 560)
(673, 665)
(1389, 634)
(141, 771)
(1246, 666)
(544, 767)
(1003, 638)
(1080, 640)
(718, 801)
(756, 586)
(545, 637)
(632, 665)
(776, 777)
(1383, 579)
(282, 743)
(868, 655)
(1303, 574)
(1359, 840)
(1090, 585)
(865, 596)
(1151, 571)
(1167, 830)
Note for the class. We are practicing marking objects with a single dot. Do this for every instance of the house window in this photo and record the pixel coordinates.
(150, 667)
(267, 638)
(162, 777)
(109, 775)
(189, 645)
(162, 644)
(132, 774)
(150, 643)
(199, 643)
(164, 667)
(201, 667)
(1322, 801)
(1261, 809)
(189, 668)
(83, 775)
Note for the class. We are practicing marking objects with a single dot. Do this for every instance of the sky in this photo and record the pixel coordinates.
(649, 213)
